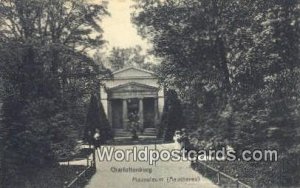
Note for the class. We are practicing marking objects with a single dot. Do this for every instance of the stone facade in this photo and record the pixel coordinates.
(132, 90)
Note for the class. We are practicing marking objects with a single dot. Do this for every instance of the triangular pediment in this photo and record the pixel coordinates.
(132, 72)
(133, 87)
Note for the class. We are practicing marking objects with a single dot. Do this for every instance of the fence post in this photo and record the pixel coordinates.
(65, 184)
(78, 179)
(237, 181)
(218, 176)
(84, 176)
(204, 169)
(94, 157)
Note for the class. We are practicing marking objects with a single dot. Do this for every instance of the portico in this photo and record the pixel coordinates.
(132, 90)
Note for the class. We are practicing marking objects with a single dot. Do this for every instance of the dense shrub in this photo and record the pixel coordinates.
(172, 118)
(96, 119)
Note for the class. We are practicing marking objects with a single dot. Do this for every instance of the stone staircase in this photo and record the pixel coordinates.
(151, 132)
(121, 133)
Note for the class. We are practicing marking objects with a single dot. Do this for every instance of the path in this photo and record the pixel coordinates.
(163, 173)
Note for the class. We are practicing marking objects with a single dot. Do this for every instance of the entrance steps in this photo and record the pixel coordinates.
(121, 133)
(126, 133)
(149, 132)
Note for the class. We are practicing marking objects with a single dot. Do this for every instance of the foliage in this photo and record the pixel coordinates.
(119, 58)
(236, 63)
(46, 76)
(172, 119)
(163, 121)
(55, 177)
(96, 119)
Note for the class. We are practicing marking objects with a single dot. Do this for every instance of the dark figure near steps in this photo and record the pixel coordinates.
(134, 124)
(97, 138)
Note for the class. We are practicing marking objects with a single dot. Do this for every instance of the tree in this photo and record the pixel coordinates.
(237, 61)
(96, 119)
(192, 39)
(119, 58)
(173, 119)
(46, 74)
(163, 121)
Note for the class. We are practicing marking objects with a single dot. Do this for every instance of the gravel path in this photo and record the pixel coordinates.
(168, 174)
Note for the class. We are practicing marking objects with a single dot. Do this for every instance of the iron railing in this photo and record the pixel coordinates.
(220, 178)
(84, 176)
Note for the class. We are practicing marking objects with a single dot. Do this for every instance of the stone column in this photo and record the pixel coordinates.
(109, 112)
(125, 114)
(156, 112)
(141, 113)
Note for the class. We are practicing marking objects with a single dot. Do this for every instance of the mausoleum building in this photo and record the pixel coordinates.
(133, 90)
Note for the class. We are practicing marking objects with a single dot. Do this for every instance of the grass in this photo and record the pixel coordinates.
(81, 154)
(255, 174)
(51, 177)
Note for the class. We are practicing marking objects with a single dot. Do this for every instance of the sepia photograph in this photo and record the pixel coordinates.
(149, 94)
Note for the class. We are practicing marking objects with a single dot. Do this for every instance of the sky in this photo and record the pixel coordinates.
(118, 29)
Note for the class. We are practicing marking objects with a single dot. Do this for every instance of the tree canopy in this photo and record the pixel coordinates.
(237, 60)
(119, 58)
(47, 77)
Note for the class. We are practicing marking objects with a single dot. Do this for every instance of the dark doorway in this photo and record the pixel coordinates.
(117, 110)
(149, 113)
(133, 105)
